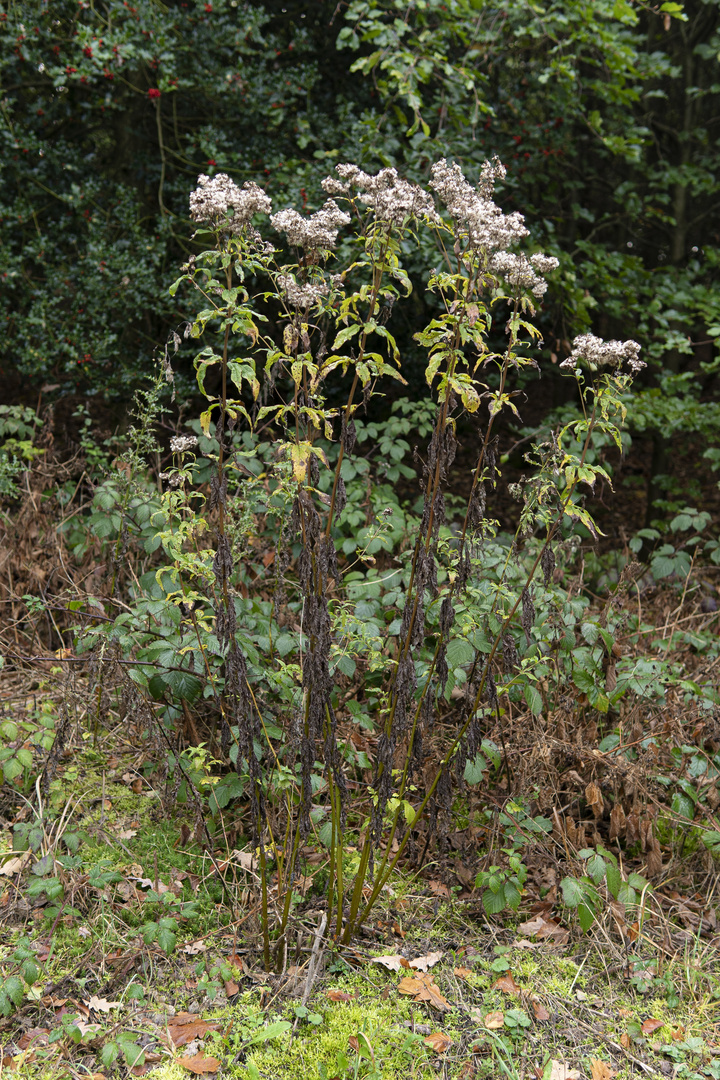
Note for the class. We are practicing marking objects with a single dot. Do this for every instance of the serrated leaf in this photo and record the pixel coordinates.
(573, 891)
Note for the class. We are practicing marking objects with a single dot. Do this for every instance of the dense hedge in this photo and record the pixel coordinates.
(605, 112)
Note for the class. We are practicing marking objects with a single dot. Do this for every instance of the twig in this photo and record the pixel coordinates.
(317, 951)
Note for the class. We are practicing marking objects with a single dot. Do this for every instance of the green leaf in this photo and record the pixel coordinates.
(534, 700)
(614, 879)
(475, 769)
(597, 868)
(459, 652)
(573, 891)
(109, 1053)
(517, 1018)
(494, 902)
(14, 989)
(272, 1031)
(166, 939)
(586, 916)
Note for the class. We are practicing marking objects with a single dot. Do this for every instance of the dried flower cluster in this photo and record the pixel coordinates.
(604, 353)
(486, 227)
(301, 296)
(392, 199)
(180, 443)
(521, 273)
(214, 199)
(317, 232)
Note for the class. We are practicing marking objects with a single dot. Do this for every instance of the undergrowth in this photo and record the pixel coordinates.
(328, 670)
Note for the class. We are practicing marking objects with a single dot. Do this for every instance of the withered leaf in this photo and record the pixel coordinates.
(422, 963)
(423, 988)
(545, 929)
(540, 1011)
(99, 1004)
(393, 963)
(560, 1071)
(200, 1064)
(340, 995)
(185, 1027)
(650, 1025)
(494, 1021)
(438, 1041)
(507, 984)
(463, 972)
(601, 1070)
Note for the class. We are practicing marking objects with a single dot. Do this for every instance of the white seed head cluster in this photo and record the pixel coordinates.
(488, 229)
(392, 199)
(520, 272)
(180, 443)
(301, 296)
(214, 199)
(316, 232)
(604, 353)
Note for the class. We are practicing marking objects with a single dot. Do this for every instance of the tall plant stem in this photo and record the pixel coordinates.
(382, 878)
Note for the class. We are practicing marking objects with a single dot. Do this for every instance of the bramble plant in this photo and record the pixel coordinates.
(376, 625)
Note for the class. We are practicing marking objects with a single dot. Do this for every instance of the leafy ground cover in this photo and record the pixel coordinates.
(130, 947)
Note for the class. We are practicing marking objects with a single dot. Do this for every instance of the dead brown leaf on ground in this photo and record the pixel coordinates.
(560, 1071)
(507, 984)
(185, 1027)
(392, 963)
(200, 1064)
(422, 987)
(494, 1021)
(544, 929)
(601, 1070)
(438, 1041)
(422, 963)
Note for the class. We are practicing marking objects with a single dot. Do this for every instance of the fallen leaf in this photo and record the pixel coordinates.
(231, 987)
(149, 883)
(339, 995)
(101, 1005)
(625, 1040)
(85, 1028)
(36, 1036)
(507, 984)
(199, 1064)
(494, 1021)
(650, 1025)
(540, 1011)
(625, 1013)
(393, 963)
(463, 972)
(246, 859)
(184, 1027)
(544, 929)
(423, 988)
(560, 1071)
(15, 865)
(439, 889)
(438, 1041)
(126, 834)
(422, 963)
(353, 1043)
(601, 1070)
(195, 947)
